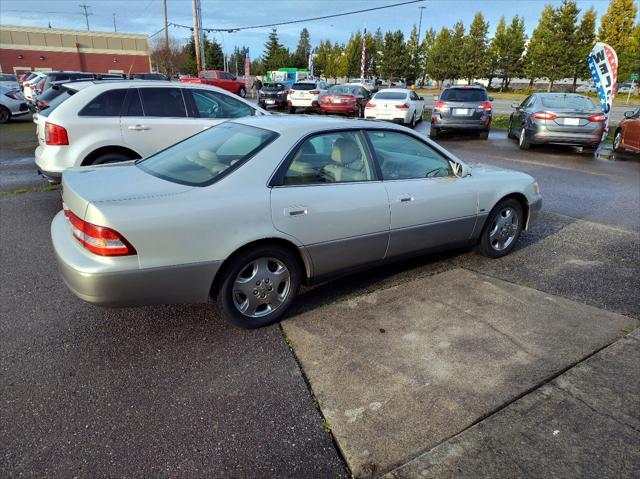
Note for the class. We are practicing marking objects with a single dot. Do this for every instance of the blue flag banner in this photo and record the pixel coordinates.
(603, 64)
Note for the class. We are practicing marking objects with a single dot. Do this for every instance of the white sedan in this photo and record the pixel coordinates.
(248, 210)
(396, 104)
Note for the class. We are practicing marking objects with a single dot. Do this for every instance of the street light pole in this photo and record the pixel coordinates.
(196, 35)
(166, 26)
(420, 23)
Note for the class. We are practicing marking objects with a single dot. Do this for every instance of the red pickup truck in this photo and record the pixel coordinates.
(220, 79)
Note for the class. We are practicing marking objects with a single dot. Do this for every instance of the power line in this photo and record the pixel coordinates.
(251, 27)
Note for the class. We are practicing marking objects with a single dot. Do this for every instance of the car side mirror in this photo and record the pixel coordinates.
(461, 170)
(629, 114)
(490, 98)
(435, 97)
(515, 105)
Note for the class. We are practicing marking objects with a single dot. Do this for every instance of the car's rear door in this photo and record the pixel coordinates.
(155, 118)
(429, 204)
(328, 196)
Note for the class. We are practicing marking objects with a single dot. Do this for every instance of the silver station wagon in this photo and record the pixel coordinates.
(248, 210)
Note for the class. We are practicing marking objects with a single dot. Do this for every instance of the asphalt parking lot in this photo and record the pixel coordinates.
(177, 392)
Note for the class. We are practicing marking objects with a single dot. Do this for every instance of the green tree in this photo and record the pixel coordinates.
(542, 46)
(394, 56)
(426, 47)
(321, 60)
(629, 61)
(333, 63)
(616, 29)
(566, 19)
(189, 57)
(584, 40)
(439, 58)
(456, 55)
(415, 55)
(275, 55)
(350, 60)
(492, 64)
(301, 55)
(474, 61)
(375, 54)
(508, 46)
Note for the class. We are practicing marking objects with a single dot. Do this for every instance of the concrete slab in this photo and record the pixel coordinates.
(400, 370)
(584, 424)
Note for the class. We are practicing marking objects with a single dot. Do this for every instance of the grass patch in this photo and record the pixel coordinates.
(500, 122)
(35, 189)
(287, 341)
(326, 425)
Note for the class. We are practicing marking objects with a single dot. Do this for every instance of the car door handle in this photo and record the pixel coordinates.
(405, 198)
(138, 127)
(296, 211)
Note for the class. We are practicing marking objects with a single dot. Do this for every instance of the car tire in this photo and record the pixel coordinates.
(5, 115)
(259, 266)
(292, 110)
(433, 133)
(523, 143)
(262, 105)
(484, 135)
(242, 92)
(413, 122)
(500, 234)
(111, 157)
(510, 130)
(617, 141)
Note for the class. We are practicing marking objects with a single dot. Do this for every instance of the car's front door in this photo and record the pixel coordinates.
(521, 113)
(430, 205)
(155, 118)
(328, 196)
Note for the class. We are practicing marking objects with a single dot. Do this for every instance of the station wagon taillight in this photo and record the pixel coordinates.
(544, 115)
(55, 135)
(438, 105)
(99, 240)
(485, 106)
(598, 118)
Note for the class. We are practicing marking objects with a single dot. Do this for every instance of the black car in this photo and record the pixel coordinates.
(273, 94)
(57, 88)
(462, 108)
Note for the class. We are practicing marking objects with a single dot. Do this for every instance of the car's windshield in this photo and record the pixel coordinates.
(390, 95)
(464, 94)
(344, 90)
(208, 156)
(576, 102)
(273, 87)
(304, 86)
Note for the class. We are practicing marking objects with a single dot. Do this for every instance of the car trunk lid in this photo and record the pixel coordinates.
(570, 120)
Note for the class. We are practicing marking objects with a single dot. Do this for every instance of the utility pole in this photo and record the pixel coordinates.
(196, 34)
(420, 23)
(114, 23)
(166, 26)
(86, 13)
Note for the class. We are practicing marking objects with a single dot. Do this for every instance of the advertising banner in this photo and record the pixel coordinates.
(603, 63)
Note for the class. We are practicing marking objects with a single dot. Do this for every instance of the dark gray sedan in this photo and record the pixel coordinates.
(557, 118)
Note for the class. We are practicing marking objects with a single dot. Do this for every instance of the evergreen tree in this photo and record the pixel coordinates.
(275, 55)
(351, 58)
(456, 54)
(426, 47)
(413, 68)
(565, 26)
(189, 55)
(584, 40)
(508, 45)
(474, 64)
(323, 54)
(492, 63)
(616, 29)
(213, 54)
(542, 46)
(630, 58)
(333, 63)
(439, 58)
(394, 56)
(303, 50)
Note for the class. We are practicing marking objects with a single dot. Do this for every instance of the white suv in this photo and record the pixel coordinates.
(306, 94)
(106, 122)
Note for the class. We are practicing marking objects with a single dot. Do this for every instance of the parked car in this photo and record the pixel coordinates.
(30, 86)
(586, 88)
(462, 108)
(398, 105)
(9, 80)
(628, 88)
(148, 76)
(627, 134)
(306, 94)
(250, 209)
(556, 118)
(345, 99)
(273, 94)
(221, 79)
(12, 104)
(97, 122)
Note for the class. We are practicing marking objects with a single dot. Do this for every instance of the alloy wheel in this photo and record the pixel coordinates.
(261, 287)
(617, 141)
(503, 229)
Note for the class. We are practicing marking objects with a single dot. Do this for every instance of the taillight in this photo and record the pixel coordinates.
(370, 105)
(438, 105)
(40, 85)
(485, 106)
(13, 94)
(544, 115)
(42, 104)
(100, 240)
(598, 118)
(55, 135)
(314, 92)
(404, 106)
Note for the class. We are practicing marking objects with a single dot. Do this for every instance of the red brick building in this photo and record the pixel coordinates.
(45, 49)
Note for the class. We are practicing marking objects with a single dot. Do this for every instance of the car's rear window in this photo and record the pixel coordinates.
(576, 102)
(390, 95)
(345, 90)
(304, 86)
(463, 94)
(208, 156)
(56, 101)
(273, 87)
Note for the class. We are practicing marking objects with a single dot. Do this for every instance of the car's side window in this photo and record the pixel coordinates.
(108, 103)
(163, 102)
(524, 103)
(403, 157)
(337, 157)
(133, 103)
(211, 104)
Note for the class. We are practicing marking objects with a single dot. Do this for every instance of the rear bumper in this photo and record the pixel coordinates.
(303, 103)
(541, 137)
(458, 124)
(279, 102)
(346, 108)
(120, 282)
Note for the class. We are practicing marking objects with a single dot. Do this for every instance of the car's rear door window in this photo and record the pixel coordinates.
(208, 156)
(403, 157)
(212, 104)
(464, 95)
(108, 103)
(163, 102)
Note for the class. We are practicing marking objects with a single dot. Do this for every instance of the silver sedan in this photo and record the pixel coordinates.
(248, 210)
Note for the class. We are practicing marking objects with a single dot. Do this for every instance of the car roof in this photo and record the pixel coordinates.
(305, 124)
(464, 87)
(117, 83)
(394, 90)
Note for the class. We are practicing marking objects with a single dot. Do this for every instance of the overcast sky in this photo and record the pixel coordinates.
(145, 16)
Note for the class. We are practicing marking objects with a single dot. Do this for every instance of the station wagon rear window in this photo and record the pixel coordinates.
(208, 156)
(463, 94)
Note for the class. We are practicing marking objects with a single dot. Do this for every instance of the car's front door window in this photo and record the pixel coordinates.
(211, 104)
(403, 157)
